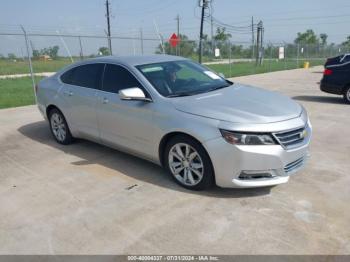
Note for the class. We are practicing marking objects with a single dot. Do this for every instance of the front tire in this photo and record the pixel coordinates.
(59, 127)
(346, 95)
(188, 163)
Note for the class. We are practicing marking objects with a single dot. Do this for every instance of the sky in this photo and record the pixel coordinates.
(282, 20)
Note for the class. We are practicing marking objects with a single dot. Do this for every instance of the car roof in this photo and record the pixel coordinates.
(137, 59)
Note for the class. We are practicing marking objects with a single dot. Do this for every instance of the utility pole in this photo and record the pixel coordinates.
(178, 33)
(253, 39)
(262, 43)
(259, 43)
(204, 6)
(108, 27)
(212, 34)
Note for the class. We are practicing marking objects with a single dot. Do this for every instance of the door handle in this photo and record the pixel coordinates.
(105, 100)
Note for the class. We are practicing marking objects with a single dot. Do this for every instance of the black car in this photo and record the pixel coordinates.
(336, 76)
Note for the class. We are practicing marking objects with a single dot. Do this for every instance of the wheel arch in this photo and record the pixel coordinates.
(166, 138)
(346, 87)
(50, 107)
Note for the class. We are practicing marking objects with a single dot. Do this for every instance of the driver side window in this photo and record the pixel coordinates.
(117, 78)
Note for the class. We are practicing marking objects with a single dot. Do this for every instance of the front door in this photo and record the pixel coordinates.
(122, 123)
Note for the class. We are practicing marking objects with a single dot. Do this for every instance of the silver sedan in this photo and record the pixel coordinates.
(201, 127)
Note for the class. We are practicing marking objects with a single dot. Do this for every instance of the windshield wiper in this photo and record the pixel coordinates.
(179, 94)
(187, 93)
(197, 92)
(219, 87)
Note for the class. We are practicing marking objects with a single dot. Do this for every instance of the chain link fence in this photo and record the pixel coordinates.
(50, 52)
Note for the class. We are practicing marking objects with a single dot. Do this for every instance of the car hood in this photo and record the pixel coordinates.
(240, 104)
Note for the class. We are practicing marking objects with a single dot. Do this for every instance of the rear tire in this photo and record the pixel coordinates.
(346, 95)
(188, 163)
(59, 127)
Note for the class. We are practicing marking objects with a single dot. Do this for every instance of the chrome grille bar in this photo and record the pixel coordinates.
(294, 165)
(291, 138)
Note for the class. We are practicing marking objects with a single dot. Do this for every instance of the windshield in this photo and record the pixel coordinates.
(182, 78)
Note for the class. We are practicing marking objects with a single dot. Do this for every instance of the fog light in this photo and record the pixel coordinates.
(253, 174)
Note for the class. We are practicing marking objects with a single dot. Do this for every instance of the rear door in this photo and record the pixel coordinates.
(80, 92)
(127, 124)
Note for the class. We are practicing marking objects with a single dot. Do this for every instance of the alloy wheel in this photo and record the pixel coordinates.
(186, 164)
(58, 127)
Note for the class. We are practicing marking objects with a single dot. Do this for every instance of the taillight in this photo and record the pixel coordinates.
(327, 72)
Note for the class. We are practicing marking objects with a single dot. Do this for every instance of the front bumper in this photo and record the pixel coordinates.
(238, 166)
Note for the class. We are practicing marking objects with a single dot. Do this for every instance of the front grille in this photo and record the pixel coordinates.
(291, 138)
(294, 165)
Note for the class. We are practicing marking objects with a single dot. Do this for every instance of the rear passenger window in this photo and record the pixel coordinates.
(86, 76)
(67, 76)
(117, 78)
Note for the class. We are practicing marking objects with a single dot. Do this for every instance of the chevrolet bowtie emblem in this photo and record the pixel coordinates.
(303, 134)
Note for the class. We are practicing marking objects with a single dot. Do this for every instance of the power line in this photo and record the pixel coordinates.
(230, 26)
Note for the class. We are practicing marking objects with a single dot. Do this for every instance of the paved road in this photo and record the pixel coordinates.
(45, 74)
(88, 199)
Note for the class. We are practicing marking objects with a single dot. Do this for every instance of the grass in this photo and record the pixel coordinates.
(16, 92)
(19, 92)
(246, 68)
(8, 67)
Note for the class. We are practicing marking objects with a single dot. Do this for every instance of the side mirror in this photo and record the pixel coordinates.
(133, 93)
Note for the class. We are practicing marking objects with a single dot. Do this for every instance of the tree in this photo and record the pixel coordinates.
(221, 41)
(347, 42)
(324, 38)
(221, 34)
(186, 47)
(53, 51)
(238, 51)
(206, 45)
(11, 56)
(36, 54)
(308, 37)
(103, 51)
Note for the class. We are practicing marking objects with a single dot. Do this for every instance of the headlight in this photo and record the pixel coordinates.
(247, 138)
